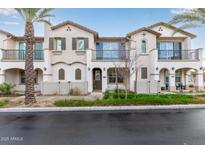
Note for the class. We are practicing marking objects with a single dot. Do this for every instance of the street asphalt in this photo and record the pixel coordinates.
(104, 127)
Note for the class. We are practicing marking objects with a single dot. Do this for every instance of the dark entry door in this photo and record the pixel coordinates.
(97, 79)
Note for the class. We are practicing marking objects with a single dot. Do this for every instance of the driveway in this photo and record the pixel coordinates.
(104, 127)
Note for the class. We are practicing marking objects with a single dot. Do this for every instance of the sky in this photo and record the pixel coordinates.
(107, 22)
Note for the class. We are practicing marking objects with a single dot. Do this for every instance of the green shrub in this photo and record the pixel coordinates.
(3, 102)
(106, 94)
(5, 88)
(75, 92)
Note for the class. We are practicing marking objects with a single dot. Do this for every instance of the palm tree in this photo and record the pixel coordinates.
(31, 15)
(190, 18)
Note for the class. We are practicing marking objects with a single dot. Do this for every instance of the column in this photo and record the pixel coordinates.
(172, 85)
(187, 81)
(199, 81)
(2, 77)
(89, 79)
(104, 79)
(47, 72)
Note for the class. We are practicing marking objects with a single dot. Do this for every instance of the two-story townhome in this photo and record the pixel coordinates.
(147, 60)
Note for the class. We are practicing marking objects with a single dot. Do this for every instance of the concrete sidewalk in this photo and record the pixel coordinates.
(104, 108)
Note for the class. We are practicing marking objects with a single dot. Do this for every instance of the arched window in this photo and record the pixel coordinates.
(61, 74)
(143, 46)
(77, 74)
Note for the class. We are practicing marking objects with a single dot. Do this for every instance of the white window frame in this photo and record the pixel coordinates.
(77, 44)
(58, 48)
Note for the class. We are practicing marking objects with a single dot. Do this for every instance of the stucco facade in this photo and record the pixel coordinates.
(157, 58)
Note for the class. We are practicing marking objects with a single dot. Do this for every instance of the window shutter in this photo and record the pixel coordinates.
(86, 43)
(63, 41)
(51, 43)
(74, 43)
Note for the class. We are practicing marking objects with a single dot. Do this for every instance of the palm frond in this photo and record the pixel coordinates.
(44, 21)
(34, 14)
(190, 19)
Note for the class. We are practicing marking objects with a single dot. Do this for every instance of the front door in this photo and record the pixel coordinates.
(97, 79)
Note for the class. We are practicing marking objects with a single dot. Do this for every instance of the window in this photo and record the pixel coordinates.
(169, 50)
(112, 75)
(22, 49)
(78, 74)
(80, 44)
(61, 74)
(144, 73)
(23, 77)
(143, 46)
(178, 76)
(38, 51)
(109, 50)
(58, 44)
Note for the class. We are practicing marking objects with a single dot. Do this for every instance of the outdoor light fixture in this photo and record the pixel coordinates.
(88, 68)
(157, 68)
(44, 68)
(133, 68)
(201, 68)
(173, 68)
(104, 69)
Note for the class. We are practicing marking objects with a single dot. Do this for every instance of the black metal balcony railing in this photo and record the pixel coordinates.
(20, 55)
(107, 55)
(178, 54)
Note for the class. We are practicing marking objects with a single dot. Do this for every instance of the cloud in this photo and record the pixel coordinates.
(8, 12)
(179, 11)
(10, 23)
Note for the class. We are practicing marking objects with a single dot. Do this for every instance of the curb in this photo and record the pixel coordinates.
(102, 108)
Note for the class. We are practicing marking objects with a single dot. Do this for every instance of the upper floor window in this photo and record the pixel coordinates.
(110, 50)
(78, 74)
(61, 74)
(57, 43)
(143, 46)
(169, 50)
(80, 44)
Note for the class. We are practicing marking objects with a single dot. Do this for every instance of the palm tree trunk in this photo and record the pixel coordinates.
(29, 68)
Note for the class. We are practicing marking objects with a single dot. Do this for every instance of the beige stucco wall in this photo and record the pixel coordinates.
(68, 56)
(143, 60)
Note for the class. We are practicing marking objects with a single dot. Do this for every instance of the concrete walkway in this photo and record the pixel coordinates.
(104, 108)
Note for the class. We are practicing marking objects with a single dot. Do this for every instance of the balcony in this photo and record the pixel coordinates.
(109, 55)
(19, 55)
(189, 55)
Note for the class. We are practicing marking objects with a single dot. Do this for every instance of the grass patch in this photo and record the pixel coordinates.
(3, 103)
(134, 99)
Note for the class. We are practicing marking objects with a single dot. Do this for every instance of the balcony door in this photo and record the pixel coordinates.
(21, 52)
(169, 50)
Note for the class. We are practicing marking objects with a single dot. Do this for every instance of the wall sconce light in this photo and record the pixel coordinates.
(133, 68)
(44, 68)
(173, 68)
(104, 69)
(201, 68)
(88, 68)
(157, 68)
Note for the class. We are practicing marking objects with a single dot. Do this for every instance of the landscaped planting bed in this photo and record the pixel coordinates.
(114, 99)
